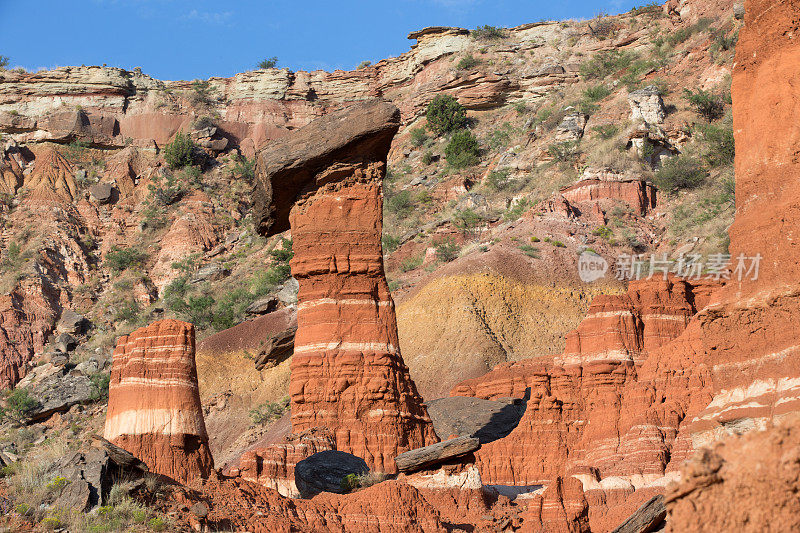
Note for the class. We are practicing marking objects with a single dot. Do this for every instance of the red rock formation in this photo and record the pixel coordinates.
(347, 371)
(154, 408)
(747, 484)
(273, 466)
(52, 179)
(27, 317)
(602, 186)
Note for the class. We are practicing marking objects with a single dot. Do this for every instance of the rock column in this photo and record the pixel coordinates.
(154, 408)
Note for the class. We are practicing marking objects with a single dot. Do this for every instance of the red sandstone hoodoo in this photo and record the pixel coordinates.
(154, 408)
(324, 182)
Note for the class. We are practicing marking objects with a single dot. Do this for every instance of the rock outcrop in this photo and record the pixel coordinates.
(347, 372)
(602, 189)
(154, 408)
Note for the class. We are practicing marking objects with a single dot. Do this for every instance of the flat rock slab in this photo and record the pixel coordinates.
(488, 420)
(436, 453)
(324, 471)
(647, 518)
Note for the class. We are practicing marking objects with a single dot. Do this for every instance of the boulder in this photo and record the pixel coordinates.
(487, 420)
(80, 479)
(324, 472)
(71, 322)
(571, 127)
(65, 342)
(210, 272)
(288, 292)
(276, 348)
(436, 453)
(58, 392)
(103, 193)
(647, 106)
(262, 306)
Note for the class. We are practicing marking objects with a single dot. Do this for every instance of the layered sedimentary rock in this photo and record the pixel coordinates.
(52, 178)
(154, 408)
(595, 412)
(607, 188)
(273, 466)
(746, 483)
(347, 372)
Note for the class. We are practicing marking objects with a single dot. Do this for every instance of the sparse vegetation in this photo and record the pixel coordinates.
(19, 405)
(488, 33)
(606, 63)
(418, 137)
(120, 259)
(363, 64)
(682, 172)
(268, 63)
(390, 243)
(720, 148)
(400, 203)
(447, 250)
(445, 114)
(516, 210)
(269, 411)
(530, 251)
(467, 62)
(498, 179)
(462, 150)
(3, 62)
(596, 93)
(411, 263)
(705, 103)
(181, 152)
(606, 131)
(563, 152)
(201, 93)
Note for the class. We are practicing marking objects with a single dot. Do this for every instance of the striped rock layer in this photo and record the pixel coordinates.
(325, 183)
(624, 428)
(595, 412)
(154, 408)
(274, 465)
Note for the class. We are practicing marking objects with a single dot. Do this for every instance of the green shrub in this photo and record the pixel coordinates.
(653, 8)
(596, 93)
(606, 131)
(530, 251)
(462, 150)
(411, 263)
(521, 108)
(604, 232)
(349, 482)
(467, 62)
(557, 244)
(498, 180)
(445, 114)
(100, 382)
(681, 172)
(19, 406)
(447, 250)
(720, 146)
(563, 152)
(244, 168)
(127, 311)
(516, 210)
(427, 158)
(120, 259)
(267, 412)
(4, 62)
(501, 137)
(390, 243)
(363, 64)
(418, 136)
(468, 221)
(606, 63)
(705, 103)
(158, 524)
(603, 27)
(181, 152)
(201, 93)
(268, 63)
(400, 203)
(487, 32)
(679, 36)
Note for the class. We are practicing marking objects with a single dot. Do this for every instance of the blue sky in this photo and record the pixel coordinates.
(187, 39)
